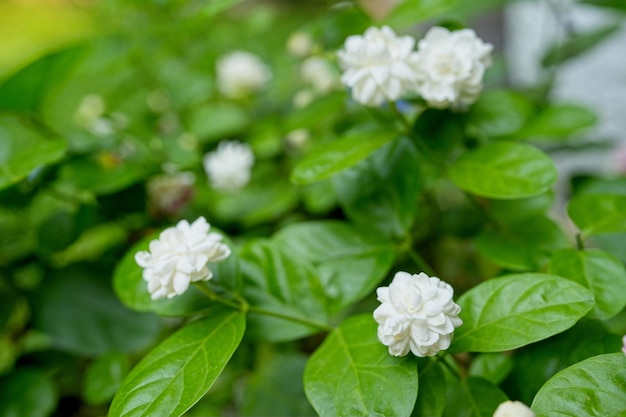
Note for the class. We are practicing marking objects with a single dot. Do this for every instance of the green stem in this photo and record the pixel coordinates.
(214, 297)
(442, 359)
(306, 322)
(420, 262)
(400, 116)
(580, 244)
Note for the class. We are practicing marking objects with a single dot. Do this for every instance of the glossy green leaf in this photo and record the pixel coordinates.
(25, 146)
(411, 12)
(382, 191)
(515, 310)
(504, 170)
(340, 154)
(27, 392)
(431, 398)
(350, 262)
(558, 121)
(104, 376)
(179, 371)
(132, 290)
(578, 44)
(598, 213)
(499, 113)
(277, 282)
(521, 245)
(81, 314)
(597, 270)
(494, 367)
(589, 388)
(473, 397)
(352, 374)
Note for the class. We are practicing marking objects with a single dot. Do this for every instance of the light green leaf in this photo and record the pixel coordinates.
(277, 282)
(352, 374)
(79, 311)
(179, 371)
(382, 191)
(317, 112)
(597, 270)
(350, 261)
(104, 376)
(589, 388)
(214, 7)
(28, 392)
(521, 245)
(515, 310)
(340, 154)
(494, 367)
(25, 146)
(504, 170)
(473, 397)
(431, 398)
(217, 121)
(499, 113)
(598, 213)
(411, 12)
(578, 44)
(558, 121)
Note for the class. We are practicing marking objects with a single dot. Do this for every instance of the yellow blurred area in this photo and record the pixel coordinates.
(32, 28)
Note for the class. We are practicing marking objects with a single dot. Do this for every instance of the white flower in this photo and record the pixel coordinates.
(377, 65)
(229, 166)
(180, 256)
(300, 44)
(450, 67)
(240, 73)
(417, 314)
(513, 409)
(320, 74)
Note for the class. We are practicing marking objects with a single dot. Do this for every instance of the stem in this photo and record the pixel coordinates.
(420, 262)
(306, 322)
(442, 359)
(400, 116)
(214, 297)
(580, 244)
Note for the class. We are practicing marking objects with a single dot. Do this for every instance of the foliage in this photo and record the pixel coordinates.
(97, 119)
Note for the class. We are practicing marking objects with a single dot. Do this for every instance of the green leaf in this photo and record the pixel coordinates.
(214, 7)
(382, 191)
(598, 213)
(27, 392)
(499, 113)
(431, 398)
(25, 146)
(179, 371)
(597, 270)
(78, 310)
(515, 310)
(510, 211)
(340, 154)
(521, 245)
(104, 376)
(352, 374)
(217, 121)
(613, 4)
(317, 112)
(132, 290)
(558, 121)
(350, 261)
(473, 397)
(494, 367)
(589, 388)
(504, 170)
(277, 282)
(578, 44)
(57, 232)
(411, 12)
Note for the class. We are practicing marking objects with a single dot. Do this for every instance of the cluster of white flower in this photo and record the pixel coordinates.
(179, 257)
(513, 409)
(229, 166)
(446, 69)
(417, 314)
(240, 73)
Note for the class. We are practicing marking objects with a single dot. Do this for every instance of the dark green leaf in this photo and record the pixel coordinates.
(577, 45)
(515, 310)
(81, 314)
(277, 282)
(340, 154)
(499, 113)
(57, 232)
(558, 121)
(510, 211)
(179, 371)
(352, 374)
(597, 270)
(504, 170)
(473, 397)
(28, 392)
(431, 397)
(411, 12)
(25, 146)
(382, 191)
(494, 367)
(598, 213)
(350, 261)
(104, 376)
(613, 4)
(589, 388)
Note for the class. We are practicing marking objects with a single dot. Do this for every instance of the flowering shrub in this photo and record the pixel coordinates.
(240, 208)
